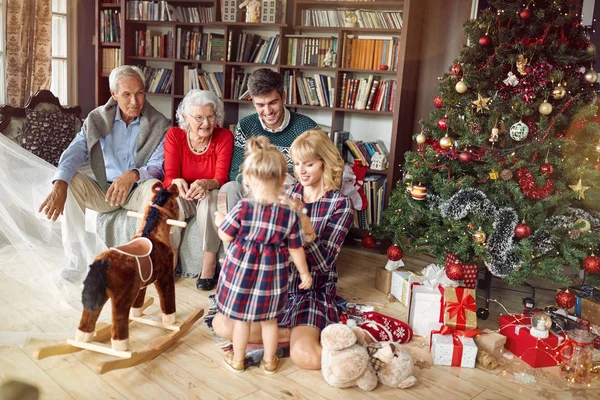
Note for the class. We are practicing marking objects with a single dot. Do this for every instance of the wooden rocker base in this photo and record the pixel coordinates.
(126, 358)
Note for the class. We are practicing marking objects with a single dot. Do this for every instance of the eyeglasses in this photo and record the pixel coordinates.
(200, 119)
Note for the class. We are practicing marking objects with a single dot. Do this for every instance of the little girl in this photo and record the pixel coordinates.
(253, 284)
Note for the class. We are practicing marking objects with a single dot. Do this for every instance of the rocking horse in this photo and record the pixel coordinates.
(122, 274)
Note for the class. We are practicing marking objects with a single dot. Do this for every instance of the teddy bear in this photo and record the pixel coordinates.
(392, 364)
(345, 361)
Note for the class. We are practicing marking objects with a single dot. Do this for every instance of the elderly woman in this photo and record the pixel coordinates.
(197, 159)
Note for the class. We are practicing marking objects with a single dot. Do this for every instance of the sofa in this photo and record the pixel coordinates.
(46, 128)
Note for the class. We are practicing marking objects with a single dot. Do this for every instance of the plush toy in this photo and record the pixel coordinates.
(392, 364)
(352, 184)
(345, 361)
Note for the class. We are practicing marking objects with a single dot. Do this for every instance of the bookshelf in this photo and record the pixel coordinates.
(372, 33)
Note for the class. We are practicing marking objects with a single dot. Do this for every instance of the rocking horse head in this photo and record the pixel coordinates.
(123, 273)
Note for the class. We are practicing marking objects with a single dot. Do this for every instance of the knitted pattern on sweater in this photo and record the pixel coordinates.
(250, 126)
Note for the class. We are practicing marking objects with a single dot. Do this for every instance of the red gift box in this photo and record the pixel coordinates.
(534, 351)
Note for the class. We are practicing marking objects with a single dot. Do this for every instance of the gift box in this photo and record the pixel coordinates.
(581, 292)
(383, 280)
(453, 349)
(401, 284)
(590, 310)
(534, 351)
(491, 342)
(425, 307)
(460, 310)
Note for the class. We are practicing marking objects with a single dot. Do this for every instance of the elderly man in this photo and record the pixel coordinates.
(123, 140)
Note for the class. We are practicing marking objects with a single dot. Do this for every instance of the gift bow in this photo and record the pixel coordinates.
(458, 346)
(464, 302)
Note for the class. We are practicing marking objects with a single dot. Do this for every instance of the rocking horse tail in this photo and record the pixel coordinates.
(94, 286)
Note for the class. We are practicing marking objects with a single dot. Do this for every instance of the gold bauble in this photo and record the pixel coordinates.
(446, 142)
(559, 92)
(506, 174)
(421, 138)
(591, 76)
(479, 236)
(461, 87)
(418, 192)
(591, 48)
(545, 108)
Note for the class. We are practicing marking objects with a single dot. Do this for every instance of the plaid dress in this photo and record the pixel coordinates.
(253, 284)
(332, 217)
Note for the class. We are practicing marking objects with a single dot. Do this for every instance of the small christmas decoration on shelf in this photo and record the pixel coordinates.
(565, 299)
(350, 19)
(378, 161)
(368, 242)
(591, 264)
(252, 11)
(328, 60)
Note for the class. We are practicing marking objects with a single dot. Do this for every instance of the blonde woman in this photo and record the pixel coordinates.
(318, 167)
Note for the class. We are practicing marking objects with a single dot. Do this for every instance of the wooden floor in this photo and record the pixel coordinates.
(193, 369)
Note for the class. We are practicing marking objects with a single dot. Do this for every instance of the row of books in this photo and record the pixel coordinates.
(158, 80)
(110, 26)
(239, 84)
(111, 59)
(312, 51)
(163, 11)
(316, 90)
(194, 78)
(364, 151)
(369, 52)
(153, 44)
(200, 46)
(374, 188)
(365, 94)
(332, 18)
(252, 48)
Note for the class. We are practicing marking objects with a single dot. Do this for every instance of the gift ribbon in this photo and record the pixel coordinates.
(464, 302)
(457, 343)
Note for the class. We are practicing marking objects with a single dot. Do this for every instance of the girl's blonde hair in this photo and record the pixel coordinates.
(263, 161)
(314, 144)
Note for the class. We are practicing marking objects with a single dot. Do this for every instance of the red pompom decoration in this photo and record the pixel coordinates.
(522, 231)
(368, 242)
(455, 271)
(438, 102)
(525, 14)
(485, 41)
(456, 69)
(565, 299)
(547, 169)
(464, 157)
(394, 253)
(443, 123)
(591, 264)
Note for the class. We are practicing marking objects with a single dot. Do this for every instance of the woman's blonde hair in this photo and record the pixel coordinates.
(314, 144)
(263, 161)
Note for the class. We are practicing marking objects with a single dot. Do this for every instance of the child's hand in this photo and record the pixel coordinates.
(219, 218)
(306, 281)
(294, 204)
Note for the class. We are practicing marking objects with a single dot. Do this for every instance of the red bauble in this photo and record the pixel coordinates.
(597, 166)
(464, 157)
(525, 14)
(438, 102)
(394, 253)
(547, 169)
(522, 231)
(443, 123)
(528, 69)
(485, 41)
(591, 264)
(565, 299)
(368, 242)
(456, 69)
(455, 271)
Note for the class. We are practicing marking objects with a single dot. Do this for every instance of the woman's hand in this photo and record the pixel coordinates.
(306, 281)
(294, 204)
(182, 186)
(219, 218)
(197, 190)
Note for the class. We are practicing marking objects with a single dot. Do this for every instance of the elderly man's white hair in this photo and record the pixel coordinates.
(124, 72)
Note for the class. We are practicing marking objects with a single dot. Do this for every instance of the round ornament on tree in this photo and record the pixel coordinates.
(591, 264)
(479, 236)
(438, 102)
(525, 14)
(418, 192)
(456, 69)
(591, 76)
(485, 41)
(565, 299)
(591, 49)
(421, 138)
(394, 253)
(455, 271)
(546, 169)
(443, 123)
(464, 157)
(446, 142)
(506, 174)
(559, 92)
(519, 131)
(461, 87)
(369, 242)
(522, 230)
(545, 108)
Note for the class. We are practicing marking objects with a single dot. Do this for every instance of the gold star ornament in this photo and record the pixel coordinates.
(580, 189)
(481, 103)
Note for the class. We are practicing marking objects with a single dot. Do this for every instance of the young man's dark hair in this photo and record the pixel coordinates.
(263, 81)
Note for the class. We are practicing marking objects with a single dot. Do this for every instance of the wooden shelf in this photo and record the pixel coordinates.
(356, 30)
(159, 94)
(309, 107)
(110, 5)
(110, 44)
(249, 64)
(150, 58)
(185, 61)
(354, 4)
(352, 110)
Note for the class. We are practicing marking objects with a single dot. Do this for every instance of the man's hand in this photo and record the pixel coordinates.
(54, 205)
(119, 189)
(182, 186)
(197, 190)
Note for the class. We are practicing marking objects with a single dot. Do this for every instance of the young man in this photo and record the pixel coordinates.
(271, 119)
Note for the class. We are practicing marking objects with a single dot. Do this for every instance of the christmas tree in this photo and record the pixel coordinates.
(507, 168)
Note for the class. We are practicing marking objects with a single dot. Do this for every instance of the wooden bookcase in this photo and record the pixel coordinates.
(401, 118)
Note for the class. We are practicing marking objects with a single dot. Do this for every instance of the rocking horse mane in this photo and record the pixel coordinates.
(161, 198)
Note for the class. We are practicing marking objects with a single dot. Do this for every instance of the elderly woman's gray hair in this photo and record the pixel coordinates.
(196, 97)
(124, 72)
